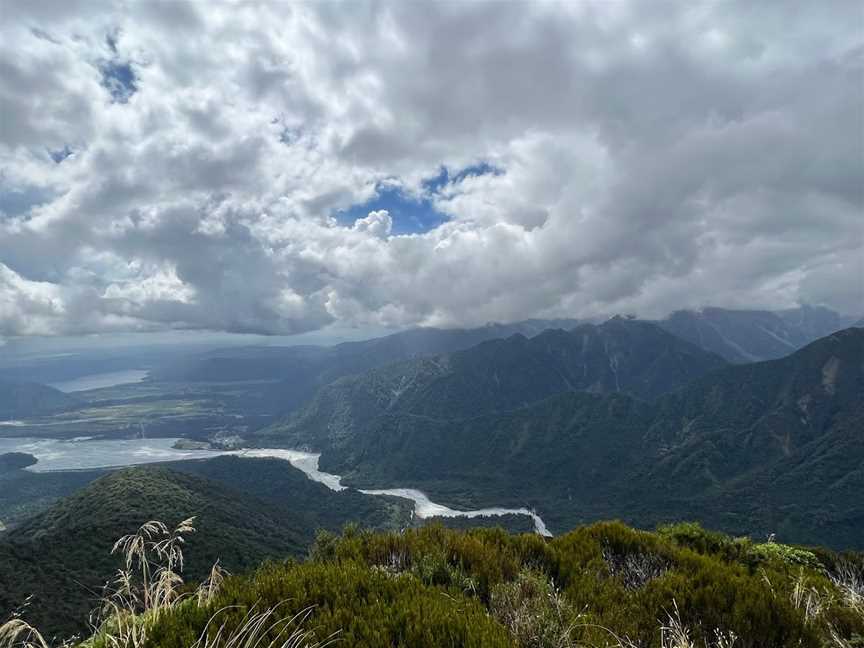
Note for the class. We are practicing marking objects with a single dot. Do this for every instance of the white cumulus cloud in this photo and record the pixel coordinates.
(377, 223)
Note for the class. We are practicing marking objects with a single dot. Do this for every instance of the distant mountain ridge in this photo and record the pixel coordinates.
(24, 399)
(742, 336)
(290, 376)
(619, 356)
(300, 370)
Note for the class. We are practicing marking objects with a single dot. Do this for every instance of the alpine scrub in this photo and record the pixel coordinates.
(603, 585)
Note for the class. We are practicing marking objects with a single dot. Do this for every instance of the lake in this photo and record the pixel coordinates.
(101, 380)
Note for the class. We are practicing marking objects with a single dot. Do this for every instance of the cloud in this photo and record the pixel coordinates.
(377, 223)
(167, 167)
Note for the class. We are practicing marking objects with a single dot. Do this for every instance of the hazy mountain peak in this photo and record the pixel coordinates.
(752, 335)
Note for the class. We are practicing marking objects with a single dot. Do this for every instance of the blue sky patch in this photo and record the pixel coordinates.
(410, 215)
(58, 155)
(119, 79)
(444, 177)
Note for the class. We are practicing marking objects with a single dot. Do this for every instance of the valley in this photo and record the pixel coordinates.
(573, 425)
(88, 454)
(151, 409)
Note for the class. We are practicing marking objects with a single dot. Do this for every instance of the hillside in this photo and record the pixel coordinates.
(24, 493)
(24, 399)
(774, 408)
(280, 485)
(784, 438)
(743, 336)
(619, 356)
(725, 449)
(571, 443)
(61, 555)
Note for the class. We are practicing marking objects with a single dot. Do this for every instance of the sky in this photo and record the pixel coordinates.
(283, 169)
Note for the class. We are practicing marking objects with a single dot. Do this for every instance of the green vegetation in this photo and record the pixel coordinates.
(600, 585)
(285, 488)
(362, 606)
(583, 588)
(162, 417)
(511, 523)
(148, 586)
(757, 450)
(271, 510)
(24, 493)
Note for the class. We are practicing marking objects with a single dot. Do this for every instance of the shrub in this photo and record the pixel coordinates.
(600, 585)
(534, 611)
(785, 554)
(365, 606)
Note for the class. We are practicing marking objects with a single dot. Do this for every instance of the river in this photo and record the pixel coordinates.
(84, 453)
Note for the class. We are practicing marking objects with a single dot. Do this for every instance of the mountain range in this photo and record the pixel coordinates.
(298, 371)
(619, 356)
(494, 424)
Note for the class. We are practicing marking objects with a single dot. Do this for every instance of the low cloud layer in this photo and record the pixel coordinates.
(170, 165)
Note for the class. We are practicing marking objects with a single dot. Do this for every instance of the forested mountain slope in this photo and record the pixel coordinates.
(723, 449)
(782, 439)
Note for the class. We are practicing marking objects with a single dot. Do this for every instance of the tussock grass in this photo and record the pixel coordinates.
(149, 585)
(675, 634)
(849, 581)
(535, 611)
(287, 632)
(17, 632)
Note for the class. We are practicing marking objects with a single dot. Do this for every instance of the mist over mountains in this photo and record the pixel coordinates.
(750, 336)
